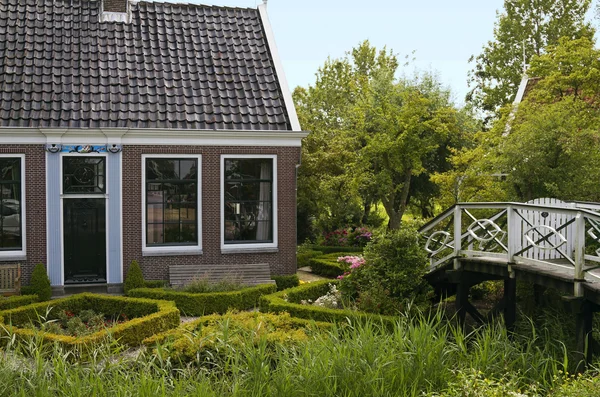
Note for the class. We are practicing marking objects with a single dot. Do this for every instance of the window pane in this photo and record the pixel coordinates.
(83, 174)
(172, 187)
(248, 200)
(155, 234)
(10, 203)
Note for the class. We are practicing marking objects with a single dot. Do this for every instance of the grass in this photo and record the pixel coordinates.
(422, 355)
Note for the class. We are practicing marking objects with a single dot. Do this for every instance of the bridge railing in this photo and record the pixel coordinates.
(546, 233)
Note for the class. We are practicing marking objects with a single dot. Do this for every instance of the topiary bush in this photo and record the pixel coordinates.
(199, 304)
(285, 282)
(391, 276)
(39, 284)
(146, 317)
(134, 278)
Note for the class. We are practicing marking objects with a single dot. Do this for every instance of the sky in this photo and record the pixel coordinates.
(443, 34)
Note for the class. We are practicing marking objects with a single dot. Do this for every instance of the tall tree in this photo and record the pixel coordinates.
(524, 29)
(372, 134)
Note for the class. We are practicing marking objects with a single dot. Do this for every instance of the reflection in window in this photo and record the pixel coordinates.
(171, 201)
(10, 203)
(248, 200)
(83, 175)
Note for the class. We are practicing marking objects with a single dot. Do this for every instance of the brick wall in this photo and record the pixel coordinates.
(153, 267)
(35, 205)
(115, 5)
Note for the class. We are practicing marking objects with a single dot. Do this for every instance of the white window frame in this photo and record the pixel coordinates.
(174, 250)
(19, 253)
(249, 247)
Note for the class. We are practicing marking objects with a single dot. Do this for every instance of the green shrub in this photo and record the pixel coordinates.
(155, 283)
(134, 278)
(40, 284)
(198, 304)
(327, 267)
(203, 285)
(285, 282)
(147, 317)
(289, 301)
(331, 249)
(16, 301)
(303, 257)
(214, 339)
(392, 275)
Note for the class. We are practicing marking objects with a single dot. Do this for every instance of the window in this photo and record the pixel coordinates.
(171, 201)
(11, 204)
(248, 201)
(83, 175)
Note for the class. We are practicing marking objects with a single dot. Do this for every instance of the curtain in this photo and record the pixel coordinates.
(264, 206)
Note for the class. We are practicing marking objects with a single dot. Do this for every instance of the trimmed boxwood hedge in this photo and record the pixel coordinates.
(155, 283)
(285, 282)
(326, 267)
(326, 249)
(302, 258)
(147, 317)
(199, 304)
(289, 301)
(16, 301)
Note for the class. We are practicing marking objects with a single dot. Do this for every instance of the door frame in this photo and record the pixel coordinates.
(104, 195)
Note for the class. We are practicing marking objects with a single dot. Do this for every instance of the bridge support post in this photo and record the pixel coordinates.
(583, 333)
(510, 303)
(462, 300)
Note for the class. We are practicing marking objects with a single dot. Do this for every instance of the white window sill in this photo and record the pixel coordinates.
(172, 251)
(12, 256)
(248, 250)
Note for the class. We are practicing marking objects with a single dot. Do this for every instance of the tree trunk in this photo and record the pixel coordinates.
(394, 214)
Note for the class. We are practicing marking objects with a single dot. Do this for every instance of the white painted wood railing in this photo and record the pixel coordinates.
(544, 232)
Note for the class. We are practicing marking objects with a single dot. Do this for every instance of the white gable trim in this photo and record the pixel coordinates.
(287, 95)
(151, 136)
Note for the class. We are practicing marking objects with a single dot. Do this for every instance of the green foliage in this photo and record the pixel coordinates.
(12, 302)
(335, 249)
(303, 257)
(134, 278)
(285, 282)
(203, 285)
(392, 275)
(211, 340)
(199, 304)
(289, 301)
(146, 318)
(326, 267)
(39, 284)
(155, 283)
(524, 27)
(371, 135)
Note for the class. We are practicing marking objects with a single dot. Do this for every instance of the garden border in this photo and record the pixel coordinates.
(284, 301)
(12, 302)
(154, 316)
(199, 304)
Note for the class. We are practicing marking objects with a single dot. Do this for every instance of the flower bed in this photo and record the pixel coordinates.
(146, 317)
(210, 338)
(290, 301)
(11, 302)
(198, 304)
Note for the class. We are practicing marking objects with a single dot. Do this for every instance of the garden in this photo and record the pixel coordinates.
(369, 330)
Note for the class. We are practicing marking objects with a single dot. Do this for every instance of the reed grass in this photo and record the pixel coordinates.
(422, 355)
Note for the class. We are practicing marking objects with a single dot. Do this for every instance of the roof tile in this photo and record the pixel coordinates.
(174, 66)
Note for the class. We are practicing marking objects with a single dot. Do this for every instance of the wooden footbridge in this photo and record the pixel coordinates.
(547, 242)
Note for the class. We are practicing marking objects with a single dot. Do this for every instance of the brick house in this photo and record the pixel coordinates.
(157, 132)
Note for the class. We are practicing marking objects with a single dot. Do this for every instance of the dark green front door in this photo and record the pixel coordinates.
(85, 240)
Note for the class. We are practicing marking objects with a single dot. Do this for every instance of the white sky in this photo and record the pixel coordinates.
(443, 34)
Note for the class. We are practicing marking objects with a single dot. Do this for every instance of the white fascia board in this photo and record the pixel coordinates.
(151, 136)
(285, 89)
(521, 90)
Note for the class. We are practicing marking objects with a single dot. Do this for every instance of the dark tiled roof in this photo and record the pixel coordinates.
(174, 66)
